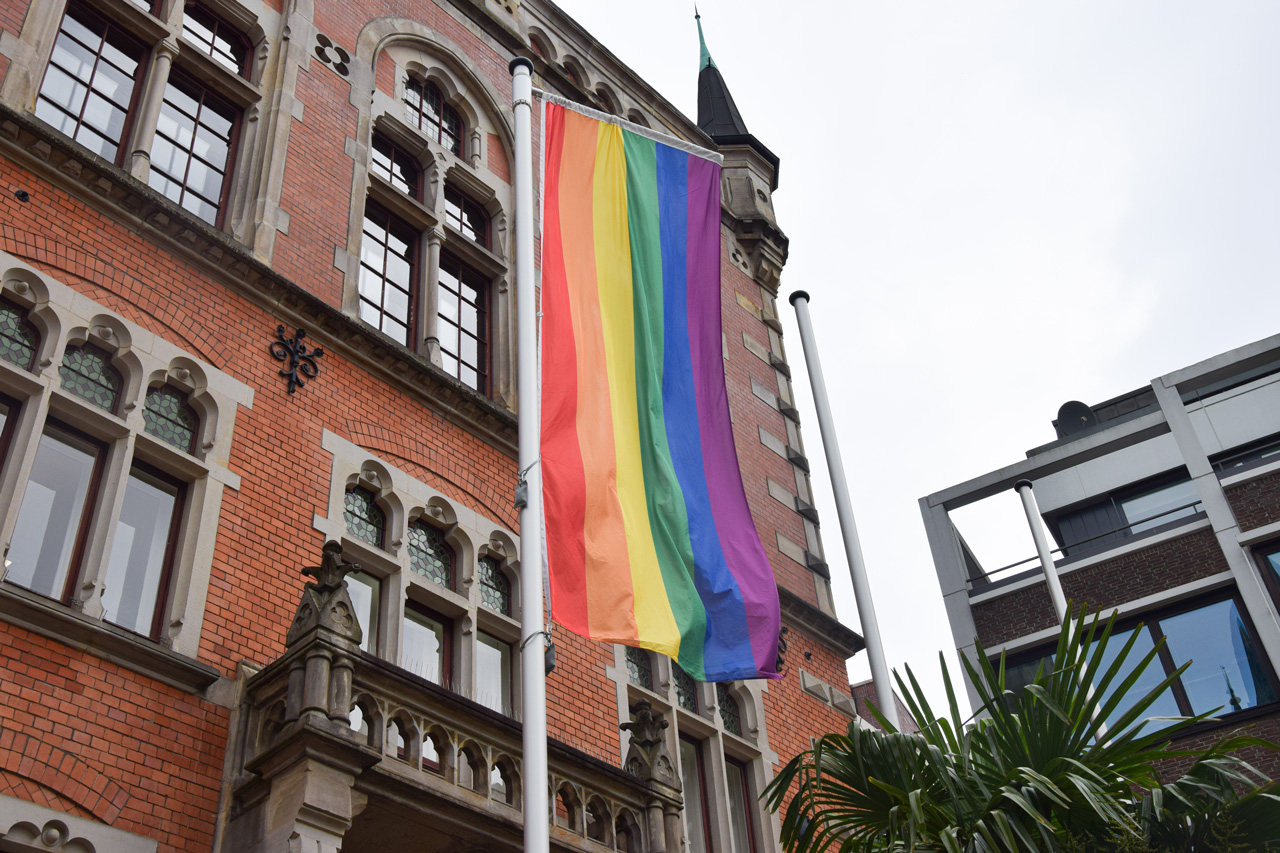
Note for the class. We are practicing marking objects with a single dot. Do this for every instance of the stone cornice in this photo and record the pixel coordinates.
(105, 187)
(803, 614)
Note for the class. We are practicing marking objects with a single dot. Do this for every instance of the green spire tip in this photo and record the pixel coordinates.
(704, 59)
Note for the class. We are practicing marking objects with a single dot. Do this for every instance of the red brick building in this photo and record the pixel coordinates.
(1162, 504)
(257, 296)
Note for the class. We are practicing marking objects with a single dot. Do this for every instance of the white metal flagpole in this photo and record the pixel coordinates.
(852, 547)
(533, 673)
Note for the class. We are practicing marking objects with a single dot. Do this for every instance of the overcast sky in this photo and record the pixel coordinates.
(996, 207)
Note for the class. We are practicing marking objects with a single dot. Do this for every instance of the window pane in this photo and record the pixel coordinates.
(639, 667)
(1227, 670)
(1166, 705)
(363, 590)
(694, 794)
(131, 588)
(1161, 506)
(739, 802)
(423, 646)
(87, 373)
(493, 673)
(168, 417)
(192, 122)
(44, 538)
(429, 555)
(686, 688)
(729, 714)
(495, 588)
(365, 519)
(18, 338)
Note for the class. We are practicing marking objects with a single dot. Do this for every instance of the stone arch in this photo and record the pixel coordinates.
(472, 769)
(377, 478)
(568, 808)
(366, 720)
(599, 821)
(106, 333)
(542, 44)
(439, 758)
(627, 836)
(576, 72)
(506, 788)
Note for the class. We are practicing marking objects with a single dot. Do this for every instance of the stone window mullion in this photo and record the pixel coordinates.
(152, 96)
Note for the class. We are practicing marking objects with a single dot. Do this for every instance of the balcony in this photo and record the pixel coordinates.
(338, 749)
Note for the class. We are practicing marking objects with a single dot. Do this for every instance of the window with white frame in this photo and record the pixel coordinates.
(427, 266)
(434, 595)
(110, 466)
(116, 84)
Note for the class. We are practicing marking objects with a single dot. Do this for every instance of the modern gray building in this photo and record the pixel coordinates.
(1162, 504)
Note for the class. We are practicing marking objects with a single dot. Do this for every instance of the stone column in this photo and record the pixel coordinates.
(429, 305)
(144, 126)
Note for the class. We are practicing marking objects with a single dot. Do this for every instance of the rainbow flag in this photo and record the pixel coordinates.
(649, 538)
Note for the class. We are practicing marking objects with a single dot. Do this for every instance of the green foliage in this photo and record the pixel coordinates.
(1036, 771)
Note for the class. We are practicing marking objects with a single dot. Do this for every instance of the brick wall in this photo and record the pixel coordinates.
(1107, 584)
(1256, 502)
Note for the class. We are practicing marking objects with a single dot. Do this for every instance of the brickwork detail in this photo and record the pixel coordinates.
(1256, 502)
(1107, 584)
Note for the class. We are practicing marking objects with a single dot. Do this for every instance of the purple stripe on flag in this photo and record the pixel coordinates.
(738, 538)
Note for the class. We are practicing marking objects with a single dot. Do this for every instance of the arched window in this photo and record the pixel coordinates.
(639, 668)
(169, 417)
(686, 688)
(87, 373)
(729, 713)
(365, 519)
(495, 588)
(434, 117)
(429, 555)
(18, 337)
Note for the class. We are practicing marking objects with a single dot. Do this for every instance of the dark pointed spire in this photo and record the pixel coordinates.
(717, 113)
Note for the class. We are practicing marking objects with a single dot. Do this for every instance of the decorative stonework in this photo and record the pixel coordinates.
(325, 603)
(647, 756)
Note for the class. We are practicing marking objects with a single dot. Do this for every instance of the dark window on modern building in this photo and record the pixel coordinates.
(1252, 455)
(1132, 512)
(1228, 672)
(432, 115)
(90, 82)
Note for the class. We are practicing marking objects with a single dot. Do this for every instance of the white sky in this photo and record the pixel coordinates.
(996, 207)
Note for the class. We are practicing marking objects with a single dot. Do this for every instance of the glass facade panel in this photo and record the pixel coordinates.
(493, 673)
(1166, 705)
(53, 507)
(134, 582)
(424, 645)
(1227, 670)
(1161, 506)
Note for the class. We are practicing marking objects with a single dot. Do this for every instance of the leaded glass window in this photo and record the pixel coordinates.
(729, 713)
(18, 338)
(429, 555)
(686, 688)
(365, 519)
(639, 668)
(169, 418)
(495, 588)
(87, 373)
(432, 115)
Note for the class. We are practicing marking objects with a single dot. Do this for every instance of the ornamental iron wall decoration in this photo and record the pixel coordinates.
(302, 362)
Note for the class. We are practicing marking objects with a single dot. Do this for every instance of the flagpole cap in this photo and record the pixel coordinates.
(798, 294)
(518, 62)
(1017, 487)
